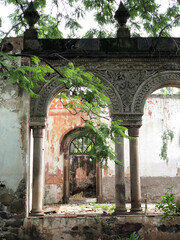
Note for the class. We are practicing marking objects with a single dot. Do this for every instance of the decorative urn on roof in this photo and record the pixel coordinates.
(122, 15)
(32, 17)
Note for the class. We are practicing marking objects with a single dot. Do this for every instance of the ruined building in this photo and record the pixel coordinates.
(38, 156)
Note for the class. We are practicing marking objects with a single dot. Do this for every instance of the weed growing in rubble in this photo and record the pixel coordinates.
(168, 205)
(105, 207)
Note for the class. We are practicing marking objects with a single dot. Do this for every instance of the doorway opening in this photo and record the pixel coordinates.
(82, 170)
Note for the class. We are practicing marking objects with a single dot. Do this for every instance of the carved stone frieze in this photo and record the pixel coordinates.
(129, 82)
(126, 83)
(129, 64)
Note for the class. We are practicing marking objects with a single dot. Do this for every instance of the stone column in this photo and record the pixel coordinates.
(37, 191)
(99, 183)
(134, 170)
(119, 178)
(66, 178)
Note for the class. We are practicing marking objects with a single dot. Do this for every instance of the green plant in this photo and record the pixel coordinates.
(166, 92)
(167, 205)
(166, 137)
(133, 236)
(106, 207)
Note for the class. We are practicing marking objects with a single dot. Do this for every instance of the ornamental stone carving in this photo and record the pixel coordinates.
(47, 91)
(128, 82)
(156, 81)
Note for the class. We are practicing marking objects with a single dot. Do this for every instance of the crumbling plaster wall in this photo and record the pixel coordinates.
(14, 105)
(156, 175)
(14, 135)
(12, 122)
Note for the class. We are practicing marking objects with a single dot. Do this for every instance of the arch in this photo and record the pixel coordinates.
(65, 151)
(158, 80)
(67, 139)
(39, 106)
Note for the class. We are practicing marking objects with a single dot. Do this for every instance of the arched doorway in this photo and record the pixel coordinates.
(81, 175)
(82, 169)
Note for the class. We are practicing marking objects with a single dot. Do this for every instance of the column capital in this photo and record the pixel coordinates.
(133, 131)
(128, 119)
(38, 131)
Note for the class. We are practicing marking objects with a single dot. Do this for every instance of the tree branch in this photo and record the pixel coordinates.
(42, 59)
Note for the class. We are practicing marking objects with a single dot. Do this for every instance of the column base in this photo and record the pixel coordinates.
(99, 199)
(36, 213)
(120, 211)
(136, 210)
(65, 200)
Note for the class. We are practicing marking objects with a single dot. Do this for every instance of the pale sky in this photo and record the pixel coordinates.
(88, 22)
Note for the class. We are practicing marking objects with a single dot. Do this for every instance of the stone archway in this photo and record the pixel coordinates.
(65, 151)
(47, 91)
(127, 94)
(38, 114)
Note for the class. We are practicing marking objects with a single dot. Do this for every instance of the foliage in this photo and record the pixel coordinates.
(106, 207)
(68, 14)
(134, 236)
(167, 205)
(165, 92)
(27, 77)
(167, 137)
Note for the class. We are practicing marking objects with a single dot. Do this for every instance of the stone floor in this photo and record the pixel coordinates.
(89, 207)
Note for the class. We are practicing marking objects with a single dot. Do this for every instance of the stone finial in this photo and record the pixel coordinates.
(122, 15)
(32, 17)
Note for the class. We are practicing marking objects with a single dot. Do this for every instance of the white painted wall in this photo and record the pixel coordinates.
(159, 114)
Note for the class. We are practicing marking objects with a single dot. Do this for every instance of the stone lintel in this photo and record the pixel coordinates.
(106, 48)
